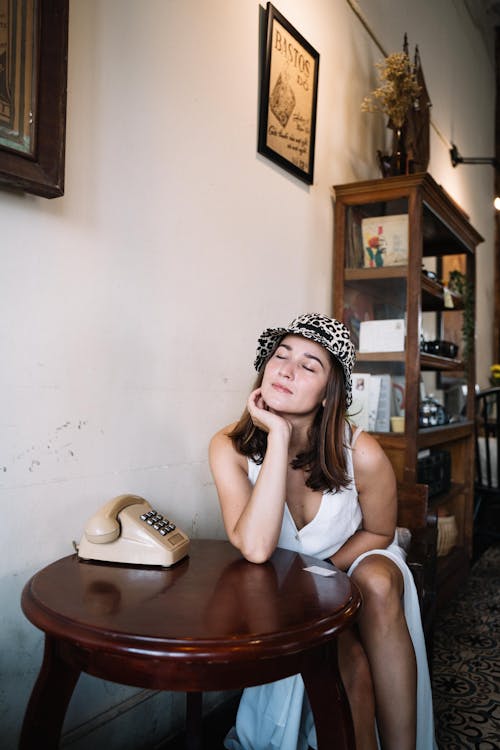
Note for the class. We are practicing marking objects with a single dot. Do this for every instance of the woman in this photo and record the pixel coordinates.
(294, 473)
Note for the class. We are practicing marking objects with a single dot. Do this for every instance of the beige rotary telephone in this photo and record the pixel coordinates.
(128, 530)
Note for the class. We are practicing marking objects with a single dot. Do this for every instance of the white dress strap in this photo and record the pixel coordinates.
(357, 432)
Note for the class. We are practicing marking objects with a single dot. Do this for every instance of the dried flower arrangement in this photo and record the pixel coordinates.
(398, 91)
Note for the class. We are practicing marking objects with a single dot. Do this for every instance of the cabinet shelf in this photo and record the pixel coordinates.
(427, 361)
(437, 227)
(435, 362)
(433, 297)
(380, 356)
(429, 437)
(374, 274)
(433, 294)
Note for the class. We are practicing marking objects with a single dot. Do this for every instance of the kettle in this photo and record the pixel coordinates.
(432, 413)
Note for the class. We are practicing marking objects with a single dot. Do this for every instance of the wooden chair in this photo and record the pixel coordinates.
(487, 477)
(415, 515)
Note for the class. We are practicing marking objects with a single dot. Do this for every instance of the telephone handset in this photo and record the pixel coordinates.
(127, 530)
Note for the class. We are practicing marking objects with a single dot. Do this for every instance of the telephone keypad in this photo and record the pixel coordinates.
(156, 520)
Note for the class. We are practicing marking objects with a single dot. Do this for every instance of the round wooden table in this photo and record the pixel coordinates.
(212, 622)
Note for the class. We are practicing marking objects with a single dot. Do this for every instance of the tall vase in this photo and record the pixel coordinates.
(399, 157)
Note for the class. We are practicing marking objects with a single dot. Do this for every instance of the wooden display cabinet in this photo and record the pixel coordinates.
(414, 225)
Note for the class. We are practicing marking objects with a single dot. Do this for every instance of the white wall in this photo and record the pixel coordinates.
(130, 307)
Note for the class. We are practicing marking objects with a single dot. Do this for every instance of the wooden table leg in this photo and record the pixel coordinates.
(328, 699)
(194, 720)
(49, 700)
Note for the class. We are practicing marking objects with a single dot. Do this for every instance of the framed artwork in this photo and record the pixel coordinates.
(33, 78)
(288, 98)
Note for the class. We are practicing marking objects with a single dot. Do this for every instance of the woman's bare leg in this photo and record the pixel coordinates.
(386, 640)
(355, 673)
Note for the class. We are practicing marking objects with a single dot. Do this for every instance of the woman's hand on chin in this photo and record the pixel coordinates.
(265, 418)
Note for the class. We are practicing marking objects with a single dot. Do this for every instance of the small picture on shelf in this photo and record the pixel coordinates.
(382, 335)
(385, 240)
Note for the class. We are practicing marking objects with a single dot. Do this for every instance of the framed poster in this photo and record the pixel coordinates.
(385, 240)
(288, 98)
(33, 77)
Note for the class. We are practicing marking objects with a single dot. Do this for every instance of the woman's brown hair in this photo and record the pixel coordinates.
(324, 460)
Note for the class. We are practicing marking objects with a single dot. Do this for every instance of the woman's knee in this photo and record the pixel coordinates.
(379, 580)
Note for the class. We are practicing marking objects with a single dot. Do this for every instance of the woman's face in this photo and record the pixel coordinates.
(296, 376)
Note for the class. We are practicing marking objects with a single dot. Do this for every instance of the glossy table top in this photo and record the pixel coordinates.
(213, 604)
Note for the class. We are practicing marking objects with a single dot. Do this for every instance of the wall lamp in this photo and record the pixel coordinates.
(457, 159)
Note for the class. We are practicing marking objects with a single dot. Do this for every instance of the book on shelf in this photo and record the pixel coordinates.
(385, 240)
(371, 401)
(383, 417)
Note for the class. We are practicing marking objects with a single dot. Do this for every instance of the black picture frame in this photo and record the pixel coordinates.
(41, 170)
(288, 98)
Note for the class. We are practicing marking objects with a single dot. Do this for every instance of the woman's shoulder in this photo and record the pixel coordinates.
(221, 437)
(370, 463)
(221, 445)
(366, 448)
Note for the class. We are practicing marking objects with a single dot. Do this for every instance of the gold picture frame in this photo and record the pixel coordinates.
(288, 98)
(33, 80)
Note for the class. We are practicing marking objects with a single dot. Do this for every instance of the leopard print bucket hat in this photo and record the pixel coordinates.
(328, 332)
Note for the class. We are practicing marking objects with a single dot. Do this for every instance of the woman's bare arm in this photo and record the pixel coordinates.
(376, 485)
(252, 515)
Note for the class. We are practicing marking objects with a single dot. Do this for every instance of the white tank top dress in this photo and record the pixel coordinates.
(277, 716)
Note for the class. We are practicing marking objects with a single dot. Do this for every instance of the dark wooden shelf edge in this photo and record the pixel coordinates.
(427, 361)
(435, 291)
(374, 274)
(430, 436)
(435, 362)
(380, 356)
